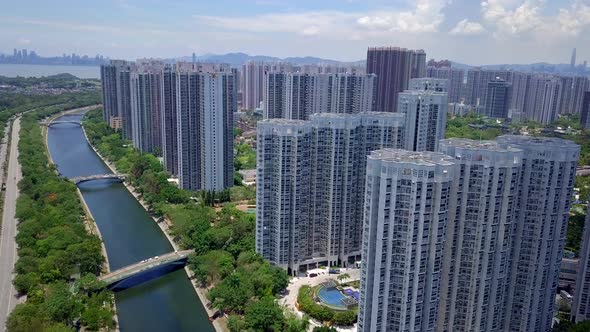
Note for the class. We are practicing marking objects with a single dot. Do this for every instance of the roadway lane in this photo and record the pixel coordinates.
(8, 256)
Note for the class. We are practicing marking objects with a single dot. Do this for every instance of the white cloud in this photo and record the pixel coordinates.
(426, 16)
(574, 19)
(467, 28)
(309, 23)
(523, 18)
(311, 31)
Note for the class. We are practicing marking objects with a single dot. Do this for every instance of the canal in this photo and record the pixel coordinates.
(130, 235)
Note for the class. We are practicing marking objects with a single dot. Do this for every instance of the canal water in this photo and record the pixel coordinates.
(130, 235)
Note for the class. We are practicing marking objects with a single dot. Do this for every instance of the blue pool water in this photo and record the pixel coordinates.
(331, 296)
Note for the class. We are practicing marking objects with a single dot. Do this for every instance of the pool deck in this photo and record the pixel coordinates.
(290, 298)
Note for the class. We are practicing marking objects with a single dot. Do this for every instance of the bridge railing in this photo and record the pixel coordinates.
(79, 179)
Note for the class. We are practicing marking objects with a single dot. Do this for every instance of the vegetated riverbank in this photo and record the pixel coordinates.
(54, 245)
(89, 220)
(164, 225)
(238, 282)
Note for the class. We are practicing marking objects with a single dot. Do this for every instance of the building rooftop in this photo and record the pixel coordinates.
(470, 144)
(424, 158)
(537, 141)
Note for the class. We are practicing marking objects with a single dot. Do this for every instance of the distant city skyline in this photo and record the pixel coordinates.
(471, 32)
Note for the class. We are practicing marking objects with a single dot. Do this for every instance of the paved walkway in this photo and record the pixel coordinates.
(8, 254)
(288, 301)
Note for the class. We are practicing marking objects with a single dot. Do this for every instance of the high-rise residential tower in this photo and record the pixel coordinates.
(108, 78)
(585, 117)
(429, 84)
(543, 98)
(426, 118)
(581, 302)
(405, 219)
(146, 105)
(478, 239)
(299, 95)
(310, 182)
(455, 80)
(116, 85)
(572, 93)
(497, 98)
(542, 213)
(252, 78)
(284, 232)
(206, 102)
(394, 67)
(169, 120)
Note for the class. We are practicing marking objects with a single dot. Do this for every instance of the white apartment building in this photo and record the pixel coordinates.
(478, 242)
(407, 199)
(542, 213)
(426, 118)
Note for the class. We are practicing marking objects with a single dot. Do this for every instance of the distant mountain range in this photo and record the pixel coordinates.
(532, 67)
(237, 59)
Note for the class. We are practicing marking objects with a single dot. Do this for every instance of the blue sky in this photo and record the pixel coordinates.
(469, 31)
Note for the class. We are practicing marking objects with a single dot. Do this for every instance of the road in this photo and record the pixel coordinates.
(145, 264)
(8, 256)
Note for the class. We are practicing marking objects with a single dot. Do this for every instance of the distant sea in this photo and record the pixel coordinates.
(11, 70)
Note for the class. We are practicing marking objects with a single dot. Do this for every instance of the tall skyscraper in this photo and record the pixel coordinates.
(116, 86)
(426, 118)
(146, 105)
(497, 98)
(581, 302)
(585, 118)
(573, 60)
(394, 67)
(405, 218)
(477, 248)
(108, 78)
(310, 184)
(205, 105)
(169, 120)
(542, 214)
(284, 233)
(297, 95)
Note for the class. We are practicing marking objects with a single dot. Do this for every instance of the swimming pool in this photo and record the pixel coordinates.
(332, 297)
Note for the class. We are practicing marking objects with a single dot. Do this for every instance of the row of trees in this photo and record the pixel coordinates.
(241, 283)
(53, 245)
(13, 103)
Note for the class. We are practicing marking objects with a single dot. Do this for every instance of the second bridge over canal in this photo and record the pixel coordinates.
(145, 270)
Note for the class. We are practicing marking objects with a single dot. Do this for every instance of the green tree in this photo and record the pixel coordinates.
(265, 315)
(211, 267)
(342, 277)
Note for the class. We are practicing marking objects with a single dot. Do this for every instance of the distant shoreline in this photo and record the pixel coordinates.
(39, 70)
